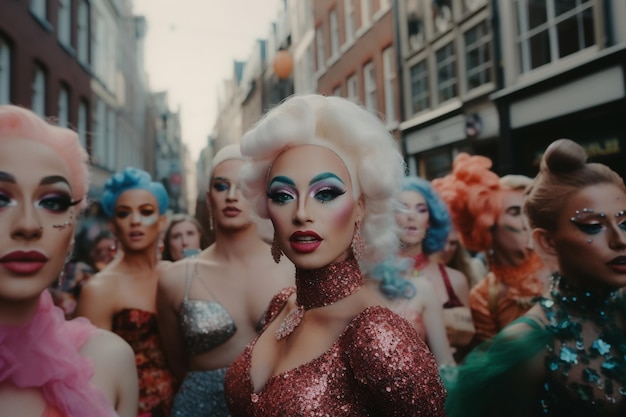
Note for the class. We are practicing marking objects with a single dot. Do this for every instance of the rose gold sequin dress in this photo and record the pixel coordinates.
(377, 367)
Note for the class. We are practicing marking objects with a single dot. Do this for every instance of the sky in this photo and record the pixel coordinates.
(190, 48)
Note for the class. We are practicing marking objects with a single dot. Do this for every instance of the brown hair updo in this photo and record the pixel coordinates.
(563, 171)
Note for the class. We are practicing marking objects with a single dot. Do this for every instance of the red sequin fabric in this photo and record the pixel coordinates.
(156, 382)
(377, 367)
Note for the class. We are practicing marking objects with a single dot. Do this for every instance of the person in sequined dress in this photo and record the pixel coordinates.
(567, 355)
(49, 366)
(487, 212)
(211, 306)
(122, 297)
(325, 171)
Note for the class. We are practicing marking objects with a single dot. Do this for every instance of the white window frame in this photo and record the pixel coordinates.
(389, 75)
(421, 97)
(100, 128)
(447, 63)
(334, 33)
(82, 42)
(38, 90)
(64, 22)
(349, 20)
(366, 13)
(353, 88)
(40, 9)
(482, 45)
(5, 72)
(319, 45)
(369, 81)
(83, 115)
(525, 34)
(64, 107)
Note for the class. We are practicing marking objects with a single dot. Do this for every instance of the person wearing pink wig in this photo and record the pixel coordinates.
(49, 366)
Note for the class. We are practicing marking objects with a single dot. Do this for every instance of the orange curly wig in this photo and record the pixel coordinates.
(473, 194)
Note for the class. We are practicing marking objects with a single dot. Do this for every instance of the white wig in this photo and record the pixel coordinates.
(358, 137)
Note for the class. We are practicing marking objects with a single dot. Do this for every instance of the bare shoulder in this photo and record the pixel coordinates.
(107, 347)
(456, 277)
(172, 273)
(102, 283)
(423, 286)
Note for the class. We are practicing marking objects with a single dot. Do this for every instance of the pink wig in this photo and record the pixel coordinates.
(473, 194)
(20, 123)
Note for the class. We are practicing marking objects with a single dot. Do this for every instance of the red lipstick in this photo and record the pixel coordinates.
(24, 262)
(305, 242)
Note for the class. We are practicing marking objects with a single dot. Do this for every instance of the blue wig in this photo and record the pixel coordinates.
(130, 179)
(390, 274)
(439, 224)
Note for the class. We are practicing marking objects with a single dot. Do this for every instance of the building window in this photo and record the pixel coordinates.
(83, 32)
(415, 24)
(419, 87)
(104, 37)
(442, 15)
(111, 142)
(99, 145)
(370, 87)
(478, 56)
(83, 114)
(5, 72)
(389, 73)
(39, 8)
(319, 41)
(353, 88)
(348, 9)
(64, 107)
(366, 12)
(64, 22)
(334, 34)
(38, 89)
(446, 73)
(550, 30)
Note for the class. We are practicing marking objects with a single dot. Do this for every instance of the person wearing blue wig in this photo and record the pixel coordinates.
(424, 223)
(122, 297)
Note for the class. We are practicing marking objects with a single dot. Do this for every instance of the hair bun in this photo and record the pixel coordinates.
(563, 156)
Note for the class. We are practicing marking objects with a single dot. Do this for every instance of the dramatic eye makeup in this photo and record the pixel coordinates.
(281, 190)
(326, 187)
(221, 184)
(57, 202)
(6, 200)
(590, 222)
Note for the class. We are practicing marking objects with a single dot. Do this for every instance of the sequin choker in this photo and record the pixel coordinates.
(593, 305)
(321, 287)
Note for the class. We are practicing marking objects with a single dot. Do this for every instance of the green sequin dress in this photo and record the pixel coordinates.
(570, 362)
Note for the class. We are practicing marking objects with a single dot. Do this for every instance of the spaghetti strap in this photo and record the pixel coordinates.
(453, 299)
(187, 279)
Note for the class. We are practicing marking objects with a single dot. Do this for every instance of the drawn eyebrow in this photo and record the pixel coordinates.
(323, 176)
(283, 179)
(6, 177)
(53, 179)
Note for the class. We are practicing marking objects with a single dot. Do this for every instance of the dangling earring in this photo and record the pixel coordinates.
(276, 251)
(61, 278)
(358, 244)
(211, 221)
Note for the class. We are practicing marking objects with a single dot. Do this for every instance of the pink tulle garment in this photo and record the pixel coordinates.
(44, 353)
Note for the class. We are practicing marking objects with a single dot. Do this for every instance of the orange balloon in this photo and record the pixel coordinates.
(283, 64)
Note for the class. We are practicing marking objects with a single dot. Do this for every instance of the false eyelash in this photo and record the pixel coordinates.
(75, 202)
